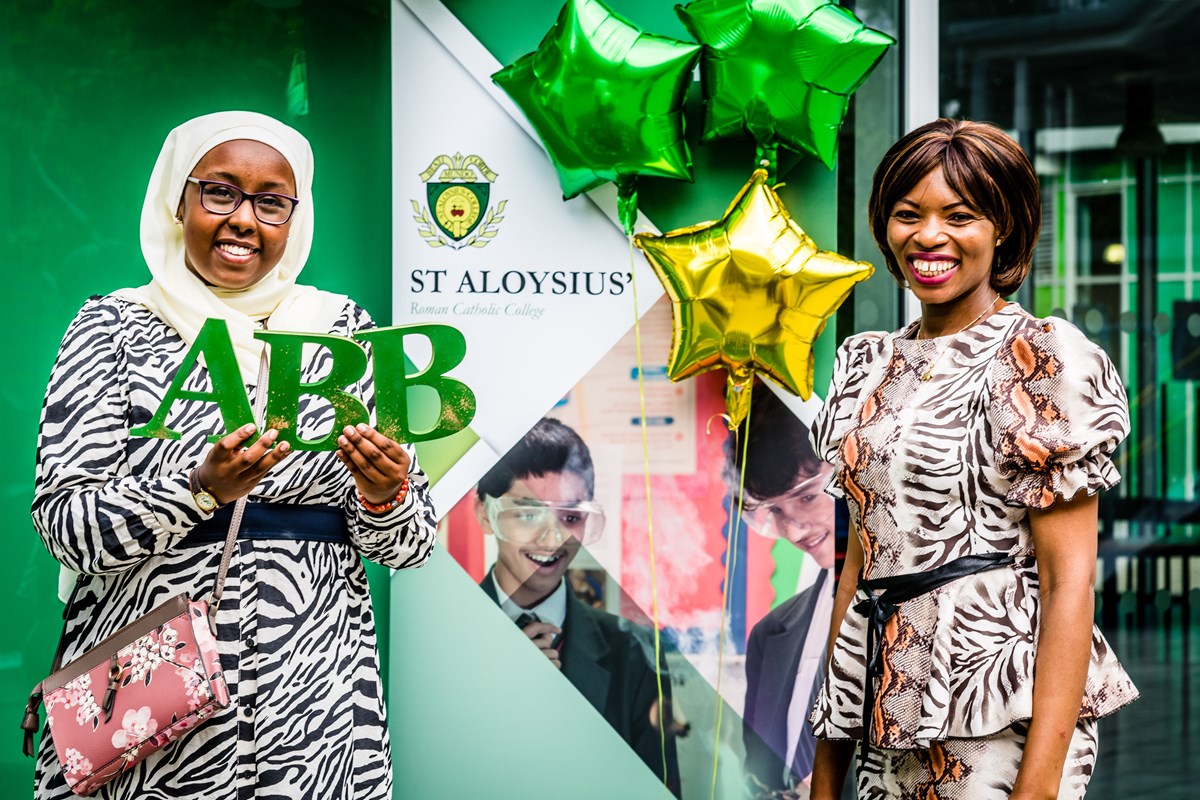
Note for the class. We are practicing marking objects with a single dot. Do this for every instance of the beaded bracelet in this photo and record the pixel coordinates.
(383, 508)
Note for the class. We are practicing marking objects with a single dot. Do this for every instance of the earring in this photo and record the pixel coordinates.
(178, 220)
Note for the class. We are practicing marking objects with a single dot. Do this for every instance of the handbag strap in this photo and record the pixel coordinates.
(30, 722)
(62, 637)
(239, 508)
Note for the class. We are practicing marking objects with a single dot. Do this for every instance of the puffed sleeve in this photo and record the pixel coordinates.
(1058, 411)
(403, 537)
(850, 369)
(97, 513)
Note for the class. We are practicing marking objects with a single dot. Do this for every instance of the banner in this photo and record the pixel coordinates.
(544, 293)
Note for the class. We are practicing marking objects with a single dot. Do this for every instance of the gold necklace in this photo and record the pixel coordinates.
(937, 356)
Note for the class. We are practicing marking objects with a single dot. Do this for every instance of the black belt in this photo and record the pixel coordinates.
(275, 521)
(897, 589)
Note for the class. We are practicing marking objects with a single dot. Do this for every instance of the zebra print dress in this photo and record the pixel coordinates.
(295, 627)
(1018, 411)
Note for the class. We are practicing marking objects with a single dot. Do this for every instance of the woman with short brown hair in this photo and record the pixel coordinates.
(970, 446)
(982, 165)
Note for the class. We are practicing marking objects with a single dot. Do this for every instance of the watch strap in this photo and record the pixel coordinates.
(198, 491)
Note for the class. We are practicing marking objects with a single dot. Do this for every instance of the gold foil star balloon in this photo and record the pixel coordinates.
(750, 293)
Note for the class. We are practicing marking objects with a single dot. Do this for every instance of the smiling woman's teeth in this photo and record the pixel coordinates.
(236, 250)
(929, 269)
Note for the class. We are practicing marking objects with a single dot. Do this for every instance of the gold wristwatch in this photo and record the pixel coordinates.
(202, 496)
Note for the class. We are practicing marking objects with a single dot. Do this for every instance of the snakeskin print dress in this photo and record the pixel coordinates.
(1018, 412)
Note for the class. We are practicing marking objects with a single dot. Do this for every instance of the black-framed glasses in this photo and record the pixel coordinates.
(218, 197)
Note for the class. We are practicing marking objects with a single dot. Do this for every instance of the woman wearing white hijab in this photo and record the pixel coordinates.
(226, 228)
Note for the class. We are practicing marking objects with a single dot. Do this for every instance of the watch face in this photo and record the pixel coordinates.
(206, 501)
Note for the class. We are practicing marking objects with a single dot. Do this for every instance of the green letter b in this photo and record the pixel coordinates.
(456, 401)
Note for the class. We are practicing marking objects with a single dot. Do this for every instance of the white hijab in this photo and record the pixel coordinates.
(181, 299)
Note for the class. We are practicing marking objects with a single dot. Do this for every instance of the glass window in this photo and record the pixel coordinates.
(870, 129)
(1105, 96)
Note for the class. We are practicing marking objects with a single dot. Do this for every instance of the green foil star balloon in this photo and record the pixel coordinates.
(781, 70)
(606, 100)
(749, 293)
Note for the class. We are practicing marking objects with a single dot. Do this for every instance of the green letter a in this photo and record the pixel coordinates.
(228, 392)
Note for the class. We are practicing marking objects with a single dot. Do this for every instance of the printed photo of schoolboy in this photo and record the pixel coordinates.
(538, 501)
(783, 498)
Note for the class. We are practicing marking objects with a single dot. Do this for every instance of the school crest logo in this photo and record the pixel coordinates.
(459, 201)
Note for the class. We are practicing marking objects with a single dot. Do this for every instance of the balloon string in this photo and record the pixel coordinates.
(708, 424)
(731, 551)
(637, 346)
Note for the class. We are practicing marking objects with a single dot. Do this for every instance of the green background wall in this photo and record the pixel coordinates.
(88, 92)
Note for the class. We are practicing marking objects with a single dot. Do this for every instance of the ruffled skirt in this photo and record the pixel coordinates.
(970, 769)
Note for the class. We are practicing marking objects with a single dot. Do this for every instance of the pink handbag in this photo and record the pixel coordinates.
(127, 697)
(141, 688)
